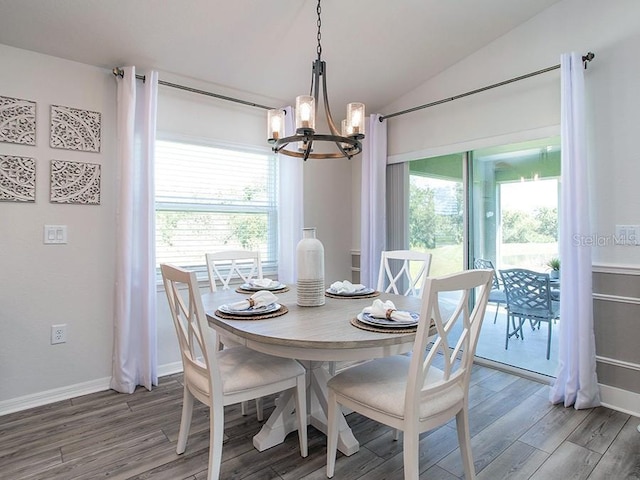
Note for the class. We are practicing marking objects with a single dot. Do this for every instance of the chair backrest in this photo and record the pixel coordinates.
(410, 276)
(227, 266)
(198, 342)
(447, 304)
(528, 292)
(483, 263)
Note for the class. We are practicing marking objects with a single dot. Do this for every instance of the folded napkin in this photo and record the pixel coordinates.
(346, 287)
(261, 298)
(387, 310)
(263, 282)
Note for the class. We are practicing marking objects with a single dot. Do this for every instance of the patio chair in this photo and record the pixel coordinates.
(528, 298)
(497, 294)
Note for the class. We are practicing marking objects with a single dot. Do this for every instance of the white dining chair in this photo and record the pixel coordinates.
(409, 393)
(409, 279)
(223, 377)
(230, 265)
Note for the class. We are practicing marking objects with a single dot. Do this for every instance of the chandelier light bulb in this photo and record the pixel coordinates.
(275, 124)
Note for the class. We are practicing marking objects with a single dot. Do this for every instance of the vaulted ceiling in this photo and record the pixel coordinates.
(375, 50)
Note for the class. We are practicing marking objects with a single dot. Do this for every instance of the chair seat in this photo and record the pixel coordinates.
(244, 369)
(497, 295)
(537, 313)
(362, 383)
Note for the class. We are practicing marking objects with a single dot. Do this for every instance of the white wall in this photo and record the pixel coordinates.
(531, 108)
(42, 285)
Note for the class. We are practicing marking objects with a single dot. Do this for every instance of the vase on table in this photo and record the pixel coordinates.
(310, 258)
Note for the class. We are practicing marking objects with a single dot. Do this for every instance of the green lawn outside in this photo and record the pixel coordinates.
(448, 258)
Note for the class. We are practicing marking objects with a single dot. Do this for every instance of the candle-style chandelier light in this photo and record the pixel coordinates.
(347, 141)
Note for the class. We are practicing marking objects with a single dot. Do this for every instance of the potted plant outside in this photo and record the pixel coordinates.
(554, 265)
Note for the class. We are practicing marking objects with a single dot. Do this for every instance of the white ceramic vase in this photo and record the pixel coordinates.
(310, 258)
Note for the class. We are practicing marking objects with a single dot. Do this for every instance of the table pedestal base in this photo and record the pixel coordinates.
(283, 420)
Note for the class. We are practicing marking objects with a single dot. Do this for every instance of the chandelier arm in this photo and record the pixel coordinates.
(327, 110)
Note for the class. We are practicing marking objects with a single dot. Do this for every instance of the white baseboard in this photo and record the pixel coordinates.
(71, 391)
(55, 395)
(621, 400)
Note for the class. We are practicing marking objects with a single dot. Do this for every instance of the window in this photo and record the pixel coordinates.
(211, 197)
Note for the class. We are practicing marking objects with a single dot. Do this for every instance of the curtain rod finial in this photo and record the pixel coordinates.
(587, 58)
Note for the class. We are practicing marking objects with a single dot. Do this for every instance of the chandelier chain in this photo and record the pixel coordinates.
(319, 49)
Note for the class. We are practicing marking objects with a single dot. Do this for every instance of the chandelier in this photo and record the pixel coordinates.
(347, 141)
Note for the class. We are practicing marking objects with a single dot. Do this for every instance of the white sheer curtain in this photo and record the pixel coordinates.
(373, 216)
(576, 383)
(134, 333)
(290, 207)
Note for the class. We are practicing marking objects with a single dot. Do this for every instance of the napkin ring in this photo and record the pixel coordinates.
(252, 302)
(389, 312)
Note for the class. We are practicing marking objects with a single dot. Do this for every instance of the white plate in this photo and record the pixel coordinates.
(383, 322)
(248, 286)
(272, 307)
(357, 293)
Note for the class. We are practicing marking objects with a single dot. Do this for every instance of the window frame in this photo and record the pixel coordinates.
(270, 260)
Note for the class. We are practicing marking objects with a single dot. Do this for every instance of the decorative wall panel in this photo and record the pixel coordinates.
(75, 129)
(17, 179)
(75, 182)
(17, 121)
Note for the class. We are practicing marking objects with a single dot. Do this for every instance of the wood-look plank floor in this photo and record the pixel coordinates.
(516, 434)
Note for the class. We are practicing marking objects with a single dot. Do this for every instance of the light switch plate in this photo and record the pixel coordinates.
(627, 235)
(55, 234)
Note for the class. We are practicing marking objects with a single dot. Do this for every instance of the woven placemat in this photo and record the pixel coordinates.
(365, 326)
(227, 316)
(352, 297)
(280, 290)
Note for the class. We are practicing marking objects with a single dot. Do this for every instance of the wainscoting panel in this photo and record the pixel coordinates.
(616, 316)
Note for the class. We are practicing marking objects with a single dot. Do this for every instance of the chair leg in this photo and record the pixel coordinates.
(301, 412)
(332, 433)
(464, 439)
(549, 341)
(243, 408)
(506, 342)
(185, 421)
(411, 454)
(495, 318)
(216, 436)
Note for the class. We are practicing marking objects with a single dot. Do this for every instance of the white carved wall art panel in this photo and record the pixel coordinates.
(17, 179)
(75, 182)
(75, 129)
(17, 121)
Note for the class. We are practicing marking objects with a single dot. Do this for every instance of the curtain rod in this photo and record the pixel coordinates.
(118, 72)
(585, 59)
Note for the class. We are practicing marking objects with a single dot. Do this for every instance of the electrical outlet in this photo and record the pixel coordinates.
(58, 333)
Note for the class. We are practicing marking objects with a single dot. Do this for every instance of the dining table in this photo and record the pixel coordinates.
(314, 336)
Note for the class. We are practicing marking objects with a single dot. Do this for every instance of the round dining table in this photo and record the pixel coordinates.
(314, 336)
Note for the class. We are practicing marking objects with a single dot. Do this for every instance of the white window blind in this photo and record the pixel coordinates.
(211, 198)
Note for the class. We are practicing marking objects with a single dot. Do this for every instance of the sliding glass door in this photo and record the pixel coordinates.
(436, 211)
(511, 195)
